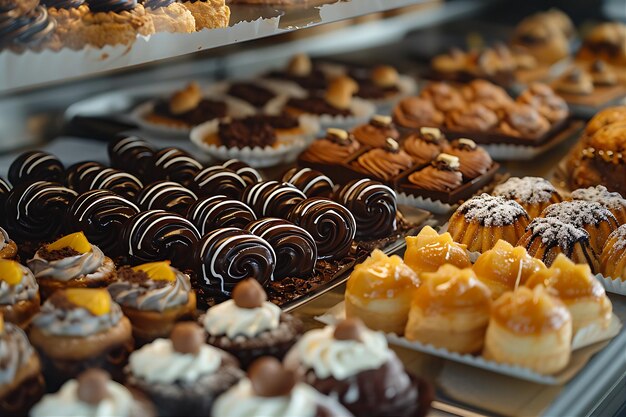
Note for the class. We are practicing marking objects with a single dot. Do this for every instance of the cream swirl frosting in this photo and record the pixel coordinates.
(24, 290)
(91, 265)
(76, 321)
(15, 352)
(152, 295)
(119, 403)
(319, 351)
(230, 320)
(159, 363)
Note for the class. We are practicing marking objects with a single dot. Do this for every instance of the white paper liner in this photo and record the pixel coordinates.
(584, 337)
(434, 206)
(612, 285)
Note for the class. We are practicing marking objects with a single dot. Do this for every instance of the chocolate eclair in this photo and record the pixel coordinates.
(376, 132)
(19, 293)
(443, 174)
(384, 163)
(425, 144)
(336, 147)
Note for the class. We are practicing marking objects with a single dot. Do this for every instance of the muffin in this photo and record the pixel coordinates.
(335, 148)
(384, 163)
(77, 329)
(531, 329)
(487, 94)
(483, 220)
(543, 98)
(523, 121)
(614, 202)
(429, 250)
(445, 97)
(208, 14)
(19, 293)
(532, 193)
(376, 132)
(475, 117)
(613, 257)
(8, 248)
(169, 16)
(424, 145)
(71, 262)
(379, 292)
(248, 326)
(416, 112)
(182, 375)
(450, 310)
(443, 174)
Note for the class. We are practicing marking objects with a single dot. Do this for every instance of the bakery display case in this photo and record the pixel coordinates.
(321, 207)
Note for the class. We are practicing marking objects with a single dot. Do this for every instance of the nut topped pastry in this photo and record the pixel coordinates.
(336, 147)
(19, 293)
(474, 160)
(376, 132)
(532, 193)
(425, 144)
(443, 174)
(384, 163)
(429, 250)
(416, 112)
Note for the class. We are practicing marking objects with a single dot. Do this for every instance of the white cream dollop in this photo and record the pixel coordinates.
(326, 356)
(230, 320)
(158, 362)
(119, 403)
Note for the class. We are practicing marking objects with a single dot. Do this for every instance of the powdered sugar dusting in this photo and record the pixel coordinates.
(529, 190)
(599, 194)
(492, 211)
(555, 232)
(579, 213)
(620, 238)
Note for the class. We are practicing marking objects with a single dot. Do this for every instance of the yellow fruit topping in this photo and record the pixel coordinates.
(10, 272)
(76, 241)
(157, 271)
(95, 300)
(429, 250)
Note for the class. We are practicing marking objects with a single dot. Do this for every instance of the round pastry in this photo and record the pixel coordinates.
(19, 293)
(608, 116)
(483, 220)
(579, 290)
(376, 132)
(208, 14)
(487, 94)
(614, 202)
(8, 248)
(429, 250)
(416, 112)
(131, 154)
(249, 174)
(156, 235)
(121, 183)
(445, 97)
(532, 193)
(613, 257)
(504, 268)
(342, 362)
(546, 237)
(36, 166)
(384, 163)
(71, 262)
(475, 117)
(337, 147)
(228, 255)
(176, 165)
(166, 195)
(550, 105)
(77, 329)
(170, 16)
(5, 189)
(272, 198)
(531, 329)
(219, 181)
(182, 375)
(373, 206)
(211, 213)
(79, 175)
(424, 145)
(577, 81)
(524, 121)
(450, 310)
(332, 226)
(154, 296)
(312, 183)
(443, 174)
(271, 390)
(93, 393)
(21, 382)
(249, 326)
(101, 215)
(379, 292)
(295, 249)
(474, 160)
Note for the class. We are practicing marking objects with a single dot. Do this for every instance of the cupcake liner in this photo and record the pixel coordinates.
(434, 206)
(612, 285)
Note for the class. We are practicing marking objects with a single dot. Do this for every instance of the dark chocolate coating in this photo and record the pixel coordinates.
(156, 235)
(166, 195)
(219, 181)
(90, 175)
(80, 173)
(36, 166)
(245, 171)
(272, 198)
(176, 165)
(211, 213)
(229, 255)
(62, 4)
(311, 182)
(35, 212)
(373, 205)
(101, 215)
(131, 154)
(115, 6)
(331, 225)
(295, 248)
(5, 189)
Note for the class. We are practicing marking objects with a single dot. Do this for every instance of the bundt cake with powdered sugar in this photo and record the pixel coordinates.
(532, 193)
(600, 194)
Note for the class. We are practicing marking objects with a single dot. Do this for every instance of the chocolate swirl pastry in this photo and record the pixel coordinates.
(219, 211)
(156, 235)
(219, 181)
(35, 211)
(252, 93)
(131, 154)
(101, 215)
(245, 171)
(115, 6)
(36, 166)
(63, 4)
(373, 205)
(29, 28)
(229, 255)
(80, 172)
(166, 195)
(272, 198)
(312, 183)
(332, 226)
(175, 165)
(86, 176)
(295, 248)
(156, 4)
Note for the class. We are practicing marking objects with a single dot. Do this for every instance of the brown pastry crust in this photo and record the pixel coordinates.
(543, 98)
(9, 251)
(209, 14)
(435, 179)
(474, 161)
(101, 29)
(422, 151)
(69, 22)
(22, 312)
(607, 41)
(375, 135)
(608, 116)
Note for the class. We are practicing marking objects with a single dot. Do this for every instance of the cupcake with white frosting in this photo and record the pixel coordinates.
(19, 293)
(248, 326)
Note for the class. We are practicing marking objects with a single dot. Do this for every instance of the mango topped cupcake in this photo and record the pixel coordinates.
(19, 293)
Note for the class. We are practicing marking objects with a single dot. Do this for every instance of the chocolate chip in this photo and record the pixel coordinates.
(270, 379)
(349, 329)
(187, 338)
(92, 386)
(249, 294)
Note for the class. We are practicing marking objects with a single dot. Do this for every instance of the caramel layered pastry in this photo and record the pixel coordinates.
(429, 250)
(474, 160)
(577, 287)
(530, 328)
(450, 310)
(443, 174)
(335, 148)
(613, 258)
(19, 293)
(379, 292)
(532, 193)
(376, 132)
(425, 144)
(504, 268)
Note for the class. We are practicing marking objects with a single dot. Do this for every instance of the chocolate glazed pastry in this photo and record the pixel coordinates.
(272, 199)
(131, 154)
(101, 215)
(5, 189)
(219, 181)
(36, 166)
(77, 174)
(21, 29)
(166, 195)
(311, 182)
(174, 165)
(245, 171)
(219, 211)
(90, 175)
(156, 235)
(252, 132)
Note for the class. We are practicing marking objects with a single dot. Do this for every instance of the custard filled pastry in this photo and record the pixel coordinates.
(429, 250)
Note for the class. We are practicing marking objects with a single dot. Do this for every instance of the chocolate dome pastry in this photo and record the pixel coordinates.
(5, 189)
(90, 175)
(295, 249)
(373, 206)
(376, 132)
(249, 326)
(77, 174)
(36, 166)
(211, 213)
(131, 154)
(332, 226)
(335, 148)
(176, 165)
(245, 171)
(226, 256)
(156, 235)
(425, 144)
(384, 163)
(311, 182)
(217, 180)
(272, 198)
(166, 195)
(19, 293)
